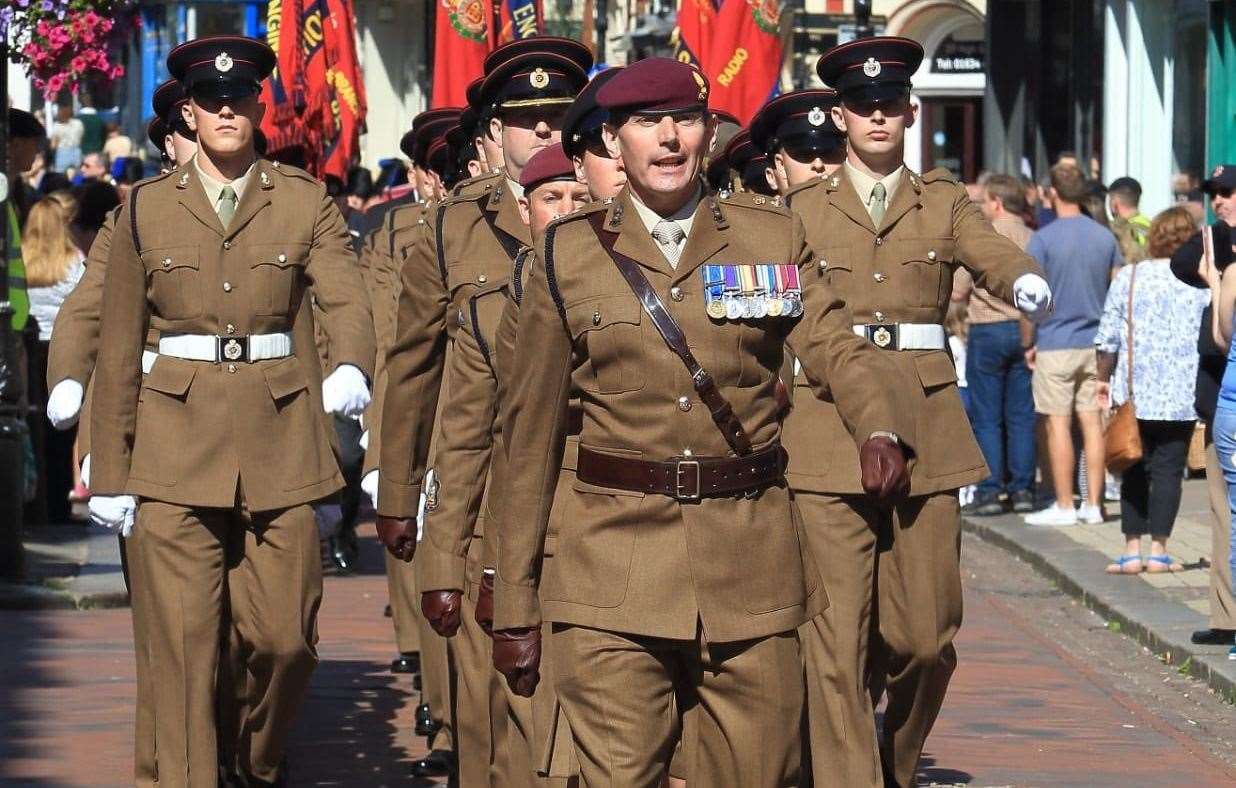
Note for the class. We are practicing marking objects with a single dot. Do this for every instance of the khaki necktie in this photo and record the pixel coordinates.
(668, 235)
(877, 204)
(226, 207)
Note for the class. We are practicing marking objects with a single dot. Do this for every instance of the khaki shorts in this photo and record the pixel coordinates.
(1064, 382)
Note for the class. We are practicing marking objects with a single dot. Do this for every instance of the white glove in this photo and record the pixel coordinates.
(64, 403)
(114, 511)
(345, 391)
(369, 485)
(86, 471)
(364, 440)
(1032, 295)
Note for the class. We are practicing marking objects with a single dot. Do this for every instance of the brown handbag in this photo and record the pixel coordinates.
(1123, 441)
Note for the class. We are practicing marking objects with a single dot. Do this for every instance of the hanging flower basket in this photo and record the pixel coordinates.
(65, 44)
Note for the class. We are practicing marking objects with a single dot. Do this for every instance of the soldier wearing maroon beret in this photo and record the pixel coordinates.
(678, 580)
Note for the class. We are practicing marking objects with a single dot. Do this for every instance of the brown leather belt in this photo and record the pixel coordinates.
(685, 478)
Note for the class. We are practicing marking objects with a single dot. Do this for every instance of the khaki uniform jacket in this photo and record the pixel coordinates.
(75, 336)
(204, 434)
(650, 565)
(901, 274)
(463, 248)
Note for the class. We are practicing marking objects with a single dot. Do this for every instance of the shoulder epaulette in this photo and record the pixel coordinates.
(938, 174)
(582, 211)
(815, 183)
(758, 202)
(293, 172)
(476, 183)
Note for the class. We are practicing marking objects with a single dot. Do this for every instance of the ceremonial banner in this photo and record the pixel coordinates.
(520, 19)
(738, 47)
(284, 94)
(692, 38)
(461, 41)
(345, 89)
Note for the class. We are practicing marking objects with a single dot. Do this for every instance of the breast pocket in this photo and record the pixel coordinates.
(276, 271)
(610, 328)
(174, 285)
(835, 266)
(929, 263)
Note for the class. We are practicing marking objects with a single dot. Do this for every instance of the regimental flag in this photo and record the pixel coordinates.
(464, 34)
(345, 89)
(284, 92)
(692, 37)
(743, 63)
(520, 19)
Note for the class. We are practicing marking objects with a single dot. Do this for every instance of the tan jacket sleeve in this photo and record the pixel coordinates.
(461, 465)
(534, 419)
(413, 380)
(837, 360)
(994, 261)
(75, 335)
(339, 292)
(377, 269)
(125, 316)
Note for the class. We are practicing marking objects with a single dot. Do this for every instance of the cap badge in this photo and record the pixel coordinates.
(703, 84)
(539, 79)
(223, 63)
(816, 117)
(872, 68)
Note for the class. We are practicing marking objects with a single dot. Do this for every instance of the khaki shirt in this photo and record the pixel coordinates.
(902, 273)
(650, 564)
(199, 433)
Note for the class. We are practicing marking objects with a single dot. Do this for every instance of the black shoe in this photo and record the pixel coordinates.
(1023, 501)
(386, 613)
(986, 506)
(438, 763)
(1214, 637)
(345, 550)
(425, 725)
(408, 662)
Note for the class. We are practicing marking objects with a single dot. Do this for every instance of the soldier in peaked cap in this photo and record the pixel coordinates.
(888, 241)
(797, 132)
(227, 444)
(748, 164)
(678, 580)
(471, 241)
(581, 141)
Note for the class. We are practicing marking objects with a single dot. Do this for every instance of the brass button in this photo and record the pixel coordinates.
(880, 241)
(231, 329)
(167, 261)
(823, 264)
(684, 404)
(227, 287)
(931, 255)
(879, 277)
(596, 318)
(481, 278)
(676, 293)
(879, 316)
(283, 258)
(227, 244)
(687, 453)
(231, 367)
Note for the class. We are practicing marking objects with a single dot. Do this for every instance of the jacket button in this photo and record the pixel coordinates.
(879, 316)
(167, 261)
(687, 453)
(823, 264)
(227, 287)
(283, 258)
(231, 329)
(231, 367)
(880, 241)
(676, 293)
(684, 404)
(481, 278)
(879, 277)
(227, 244)
(596, 318)
(931, 255)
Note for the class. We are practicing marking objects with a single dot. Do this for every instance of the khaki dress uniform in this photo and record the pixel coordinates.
(657, 602)
(896, 567)
(225, 457)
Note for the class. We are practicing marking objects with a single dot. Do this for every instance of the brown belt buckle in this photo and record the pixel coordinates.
(685, 469)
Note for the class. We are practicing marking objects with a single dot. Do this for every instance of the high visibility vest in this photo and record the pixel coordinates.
(18, 298)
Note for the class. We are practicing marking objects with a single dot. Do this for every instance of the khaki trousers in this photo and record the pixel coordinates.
(209, 571)
(145, 766)
(1222, 604)
(471, 661)
(622, 695)
(412, 628)
(405, 603)
(894, 582)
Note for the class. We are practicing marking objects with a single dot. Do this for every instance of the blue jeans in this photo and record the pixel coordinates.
(1224, 429)
(1001, 406)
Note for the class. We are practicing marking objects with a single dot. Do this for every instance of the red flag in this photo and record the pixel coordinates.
(744, 61)
(519, 19)
(461, 41)
(345, 89)
(283, 93)
(692, 38)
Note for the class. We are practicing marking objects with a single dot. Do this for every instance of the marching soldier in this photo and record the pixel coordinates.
(748, 164)
(797, 132)
(679, 575)
(471, 241)
(887, 240)
(581, 140)
(226, 445)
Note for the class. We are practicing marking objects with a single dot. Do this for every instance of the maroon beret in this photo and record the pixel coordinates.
(656, 86)
(547, 164)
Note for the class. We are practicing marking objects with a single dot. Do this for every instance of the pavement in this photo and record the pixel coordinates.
(1160, 611)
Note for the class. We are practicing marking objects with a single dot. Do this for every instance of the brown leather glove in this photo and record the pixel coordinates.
(442, 610)
(485, 604)
(399, 536)
(883, 464)
(517, 656)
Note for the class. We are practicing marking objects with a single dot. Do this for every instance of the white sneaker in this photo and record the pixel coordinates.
(1052, 515)
(1090, 514)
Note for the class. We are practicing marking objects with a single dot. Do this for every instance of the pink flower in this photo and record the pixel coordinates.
(116, 73)
(79, 64)
(55, 84)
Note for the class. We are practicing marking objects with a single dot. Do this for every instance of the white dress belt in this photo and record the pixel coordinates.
(148, 360)
(903, 336)
(206, 347)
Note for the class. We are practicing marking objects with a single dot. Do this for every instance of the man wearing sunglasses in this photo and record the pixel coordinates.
(797, 132)
(888, 240)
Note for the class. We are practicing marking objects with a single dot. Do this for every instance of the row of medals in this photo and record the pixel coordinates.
(736, 292)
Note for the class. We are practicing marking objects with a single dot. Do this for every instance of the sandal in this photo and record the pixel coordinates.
(1125, 565)
(1159, 564)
